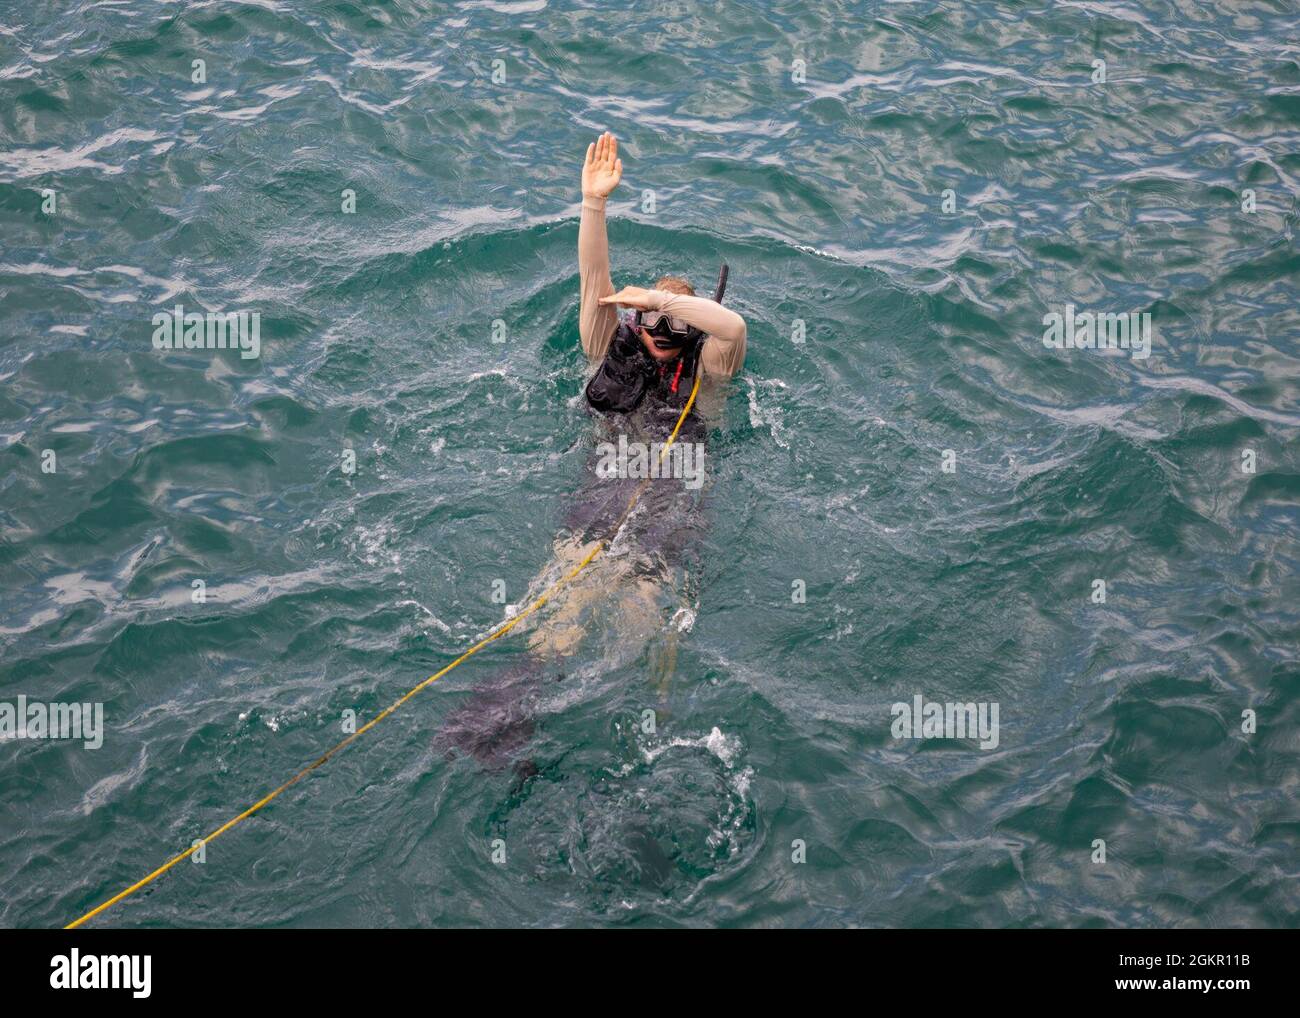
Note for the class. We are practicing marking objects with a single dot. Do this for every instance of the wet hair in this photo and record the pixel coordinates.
(675, 284)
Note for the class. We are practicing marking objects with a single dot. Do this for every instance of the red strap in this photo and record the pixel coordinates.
(677, 376)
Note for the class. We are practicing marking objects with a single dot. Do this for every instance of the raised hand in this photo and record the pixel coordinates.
(603, 168)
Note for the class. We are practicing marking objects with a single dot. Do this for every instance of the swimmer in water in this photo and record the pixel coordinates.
(646, 364)
(677, 331)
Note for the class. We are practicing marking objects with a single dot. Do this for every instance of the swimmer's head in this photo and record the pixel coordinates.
(675, 284)
(669, 284)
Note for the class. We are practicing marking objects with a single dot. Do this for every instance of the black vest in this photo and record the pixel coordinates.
(628, 374)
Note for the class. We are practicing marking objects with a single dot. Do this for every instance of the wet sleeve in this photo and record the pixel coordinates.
(723, 351)
(596, 322)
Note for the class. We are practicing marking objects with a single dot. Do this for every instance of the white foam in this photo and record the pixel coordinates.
(770, 418)
(723, 747)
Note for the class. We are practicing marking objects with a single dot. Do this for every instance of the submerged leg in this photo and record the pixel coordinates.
(560, 629)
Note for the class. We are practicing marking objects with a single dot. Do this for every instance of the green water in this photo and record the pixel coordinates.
(330, 591)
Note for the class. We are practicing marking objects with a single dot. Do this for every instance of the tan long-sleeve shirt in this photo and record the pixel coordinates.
(723, 350)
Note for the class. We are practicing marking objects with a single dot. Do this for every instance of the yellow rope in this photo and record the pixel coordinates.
(496, 634)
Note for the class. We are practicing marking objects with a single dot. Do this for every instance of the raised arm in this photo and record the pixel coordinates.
(724, 347)
(601, 173)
